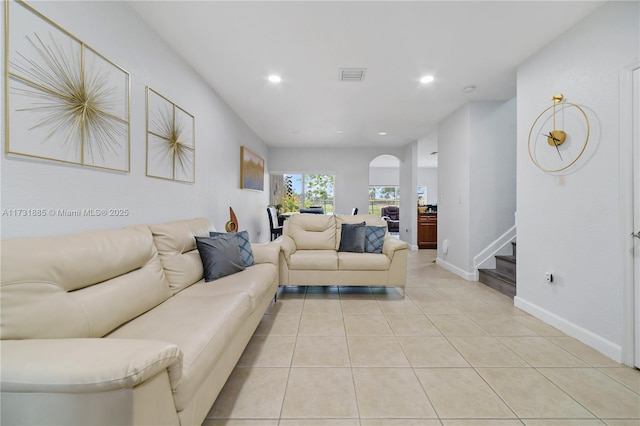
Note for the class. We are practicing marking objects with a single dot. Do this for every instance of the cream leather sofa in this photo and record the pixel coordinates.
(118, 326)
(310, 254)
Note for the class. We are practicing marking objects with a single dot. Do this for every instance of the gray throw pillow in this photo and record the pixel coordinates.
(244, 246)
(220, 256)
(374, 239)
(352, 237)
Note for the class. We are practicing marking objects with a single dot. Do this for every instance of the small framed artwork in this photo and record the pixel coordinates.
(251, 170)
(171, 145)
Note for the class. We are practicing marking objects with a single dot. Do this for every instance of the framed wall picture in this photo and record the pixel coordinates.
(171, 144)
(251, 170)
(64, 100)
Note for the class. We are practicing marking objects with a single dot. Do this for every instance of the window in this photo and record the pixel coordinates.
(380, 196)
(303, 190)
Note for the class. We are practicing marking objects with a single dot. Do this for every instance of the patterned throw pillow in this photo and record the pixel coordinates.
(374, 239)
(244, 247)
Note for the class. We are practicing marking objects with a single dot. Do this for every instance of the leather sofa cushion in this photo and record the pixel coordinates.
(363, 261)
(312, 232)
(256, 281)
(326, 260)
(177, 250)
(201, 327)
(80, 285)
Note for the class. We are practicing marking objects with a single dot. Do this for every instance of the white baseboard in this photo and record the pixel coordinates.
(469, 276)
(587, 337)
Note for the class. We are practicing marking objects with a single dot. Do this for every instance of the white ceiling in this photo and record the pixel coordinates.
(236, 45)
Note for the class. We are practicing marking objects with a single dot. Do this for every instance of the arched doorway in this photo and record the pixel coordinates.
(384, 183)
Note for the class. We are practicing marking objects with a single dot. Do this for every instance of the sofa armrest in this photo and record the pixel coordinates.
(266, 252)
(85, 365)
(391, 245)
(288, 247)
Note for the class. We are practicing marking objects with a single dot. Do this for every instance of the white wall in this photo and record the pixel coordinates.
(428, 177)
(384, 176)
(571, 225)
(116, 31)
(453, 190)
(476, 178)
(349, 165)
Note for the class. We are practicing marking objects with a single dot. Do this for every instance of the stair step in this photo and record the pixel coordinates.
(493, 278)
(506, 265)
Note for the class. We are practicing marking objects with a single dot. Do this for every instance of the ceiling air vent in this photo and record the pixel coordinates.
(352, 74)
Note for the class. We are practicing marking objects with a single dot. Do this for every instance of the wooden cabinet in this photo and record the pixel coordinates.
(427, 230)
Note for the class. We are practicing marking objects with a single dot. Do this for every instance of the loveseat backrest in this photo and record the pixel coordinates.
(81, 285)
(312, 231)
(176, 246)
(369, 219)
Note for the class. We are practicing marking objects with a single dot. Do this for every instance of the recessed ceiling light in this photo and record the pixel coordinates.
(427, 79)
(469, 89)
(275, 78)
(382, 133)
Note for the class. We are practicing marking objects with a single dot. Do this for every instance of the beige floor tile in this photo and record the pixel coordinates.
(540, 352)
(376, 351)
(278, 325)
(427, 351)
(630, 377)
(268, 351)
(367, 325)
(501, 325)
(355, 293)
(481, 422)
(471, 305)
(390, 393)
(240, 422)
(531, 395)
(486, 351)
(404, 306)
(411, 325)
(584, 352)
(321, 351)
(457, 325)
(357, 307)
(540, 327)
(438, 307)
(598, 392)
(287, 306)
(621, 422)
(400, 422)
(322, 292)
(244, 396)
(455, 293)
(461, 393)
(321, 325)
(421, 293)
(319, 422)
(320, 393)
(562, 422)
(322, 306)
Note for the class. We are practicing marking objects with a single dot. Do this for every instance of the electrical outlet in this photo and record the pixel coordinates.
(548, 277)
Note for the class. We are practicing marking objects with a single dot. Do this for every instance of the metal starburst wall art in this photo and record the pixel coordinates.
(170, 139)
(65, 101)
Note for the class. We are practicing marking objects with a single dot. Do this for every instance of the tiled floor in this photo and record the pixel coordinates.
(452, 352)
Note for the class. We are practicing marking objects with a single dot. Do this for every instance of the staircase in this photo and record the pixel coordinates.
(503, 278)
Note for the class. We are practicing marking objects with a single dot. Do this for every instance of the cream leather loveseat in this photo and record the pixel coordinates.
(310, 254)
(118, 326)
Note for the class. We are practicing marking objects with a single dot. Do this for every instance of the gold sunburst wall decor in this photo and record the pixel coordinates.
(171, 145)
(64, 100)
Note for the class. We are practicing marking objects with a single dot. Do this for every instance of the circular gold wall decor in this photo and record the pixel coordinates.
(558, 136)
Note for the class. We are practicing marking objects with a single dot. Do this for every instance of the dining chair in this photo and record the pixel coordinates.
(276, 230)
